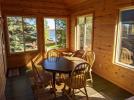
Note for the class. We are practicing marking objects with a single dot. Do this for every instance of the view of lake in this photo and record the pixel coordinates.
(52, 35)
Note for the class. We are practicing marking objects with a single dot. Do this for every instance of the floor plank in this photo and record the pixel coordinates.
(19, 88)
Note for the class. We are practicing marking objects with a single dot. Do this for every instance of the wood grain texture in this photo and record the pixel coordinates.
(2, 60)
(105, 20)
(38, 9)
(34, 8)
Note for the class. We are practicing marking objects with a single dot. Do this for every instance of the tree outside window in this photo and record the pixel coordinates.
(22, 33)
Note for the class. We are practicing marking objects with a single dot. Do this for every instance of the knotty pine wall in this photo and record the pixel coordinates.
(105, 21)
(38, 9)
(2, 60)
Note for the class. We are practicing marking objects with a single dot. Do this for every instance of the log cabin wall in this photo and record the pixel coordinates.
(2, 58)
(38, 9)
(105, 21)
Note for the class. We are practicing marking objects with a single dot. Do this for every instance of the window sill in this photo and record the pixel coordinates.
(129, 67)
(22, 53)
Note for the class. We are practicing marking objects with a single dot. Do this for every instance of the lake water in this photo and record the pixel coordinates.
(52, 35)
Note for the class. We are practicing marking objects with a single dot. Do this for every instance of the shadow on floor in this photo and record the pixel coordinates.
(19, 88)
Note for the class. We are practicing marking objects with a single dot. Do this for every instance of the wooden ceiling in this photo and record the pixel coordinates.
(63, 6)
(71, 3)
(67, 3)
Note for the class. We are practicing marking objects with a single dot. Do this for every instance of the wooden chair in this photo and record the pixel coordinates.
(77, 80)
(53, 53)
(126, 56)
(41, 79)
(90, 58)
(38, 59)
(79, 53)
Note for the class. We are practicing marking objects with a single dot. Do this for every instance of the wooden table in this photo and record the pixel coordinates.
(61, 65)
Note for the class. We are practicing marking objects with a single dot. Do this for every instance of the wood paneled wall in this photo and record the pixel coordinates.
(2, 59)
(38, 9)
(105, 21)
(34, 7)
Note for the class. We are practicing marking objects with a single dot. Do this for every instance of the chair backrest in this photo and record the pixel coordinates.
(53, 53)
(78, 75)
(36, 73)
(126, 56)
(90, 58)
(79, 53)
(37, 59)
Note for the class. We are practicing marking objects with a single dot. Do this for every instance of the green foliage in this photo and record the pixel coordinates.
(61, 32)
(21, 31)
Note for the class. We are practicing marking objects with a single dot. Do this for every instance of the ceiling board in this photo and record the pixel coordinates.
(74, 2)
(67, 3)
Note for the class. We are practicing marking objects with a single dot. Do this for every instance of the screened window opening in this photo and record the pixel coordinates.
(84, 32)
(55, 31)
(125, 39)
(22, 34)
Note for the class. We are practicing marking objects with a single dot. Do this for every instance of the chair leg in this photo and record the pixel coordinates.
(73, 95)
(64, 88)
(91, 77)
(86, 92)
(34, 92)
(54, 91)
(68, 95)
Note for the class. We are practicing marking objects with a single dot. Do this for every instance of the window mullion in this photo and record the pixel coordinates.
(23, 34)
(78, 35)
(84, 33)
(55, 32)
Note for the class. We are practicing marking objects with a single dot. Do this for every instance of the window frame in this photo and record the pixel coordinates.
(85, 15)
(117, 40)
(7, 38)
(67, 32)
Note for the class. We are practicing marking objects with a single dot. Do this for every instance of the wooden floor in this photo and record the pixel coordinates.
(19, 88)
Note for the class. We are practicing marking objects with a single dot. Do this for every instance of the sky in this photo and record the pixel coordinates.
(32, 22)
(50, 22)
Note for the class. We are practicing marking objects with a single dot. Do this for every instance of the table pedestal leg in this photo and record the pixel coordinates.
(54, 89)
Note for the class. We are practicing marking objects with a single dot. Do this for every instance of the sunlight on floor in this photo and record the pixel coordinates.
(92, 94)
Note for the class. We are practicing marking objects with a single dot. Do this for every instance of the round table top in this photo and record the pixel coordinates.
(61, 64)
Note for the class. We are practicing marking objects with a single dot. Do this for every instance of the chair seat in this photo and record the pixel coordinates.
(76, 82)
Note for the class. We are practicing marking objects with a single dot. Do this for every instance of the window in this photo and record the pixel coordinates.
(84, 32)
(22, 34)
(55, 30)
(125, 38)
